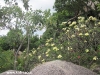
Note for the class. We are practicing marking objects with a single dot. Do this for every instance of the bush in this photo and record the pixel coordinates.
(6, 60)
(78, 43)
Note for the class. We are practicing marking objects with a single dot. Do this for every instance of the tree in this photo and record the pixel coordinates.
(25, 3)
(71, 8)
(3, 43)
(21, 25)
(34, 42)
(14, 38)
(32, 22)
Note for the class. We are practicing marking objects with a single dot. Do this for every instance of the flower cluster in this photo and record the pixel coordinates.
(92, 18)
(55, 48)
(59, 56)
(87, 50)
(95, 58)
(81, 19)
(73, 23)
(49, 40)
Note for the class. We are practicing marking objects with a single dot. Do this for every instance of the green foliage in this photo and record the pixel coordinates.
(3, 43)
(98, 6)
(6, 60)
(34, 42)
(14, 38)
(70, 5)
(78, 43)
(12, 17)
(25, 3)
(20, 63)
(67, 9)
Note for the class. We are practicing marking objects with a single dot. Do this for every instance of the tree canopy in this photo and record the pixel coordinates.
(70, 8)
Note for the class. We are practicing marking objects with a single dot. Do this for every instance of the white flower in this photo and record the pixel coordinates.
(55, 48)
(38, 48)
(86, 34)
(87, 50)
(43, 60)
(30, 54)
(80, 34)
(81, 19)
(47, 44)
(74, 22)
(68, 48)
(72, 36)
(47, 51)
(99, 23)
(82, 26)
(61, 47)
(39, 56)
(24, 57)
(94, 19)
(59, 56)
(52, 44)
(64, 29)
(71, 48)
(90, 18)
(34, 52)
(24, 51)
(67, 30)
(51, 39)
(77, 29)
(63, 23)
(47, 55)
(75, 26)
(95, 58)
(85, 41)
(69, 22)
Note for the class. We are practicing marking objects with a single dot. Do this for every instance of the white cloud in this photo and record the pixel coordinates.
(2, 2)
(3, 32)
(42, 4)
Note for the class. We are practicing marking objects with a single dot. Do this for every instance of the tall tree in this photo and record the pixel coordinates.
(32, 22)
(16, 20)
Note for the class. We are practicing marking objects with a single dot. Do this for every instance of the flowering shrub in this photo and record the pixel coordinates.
(78, 43)
(81, 41)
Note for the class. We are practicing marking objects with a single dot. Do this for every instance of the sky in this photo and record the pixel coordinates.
(35, 4)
